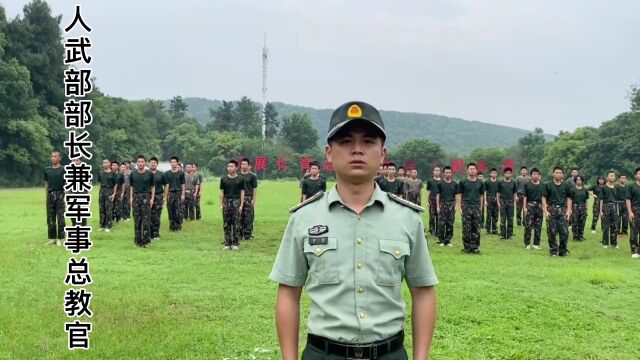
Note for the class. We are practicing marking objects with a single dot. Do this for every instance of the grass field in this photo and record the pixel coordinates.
(184, 298)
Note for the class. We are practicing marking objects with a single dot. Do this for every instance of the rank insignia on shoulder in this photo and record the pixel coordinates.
(318, 240)
(307, 202)
(404, 202)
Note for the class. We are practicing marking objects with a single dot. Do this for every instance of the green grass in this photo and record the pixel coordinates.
(184, 298)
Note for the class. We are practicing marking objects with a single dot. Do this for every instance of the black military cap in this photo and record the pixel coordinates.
(355, 110)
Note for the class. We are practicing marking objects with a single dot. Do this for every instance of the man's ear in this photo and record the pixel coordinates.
(327, 151)
(383, 153)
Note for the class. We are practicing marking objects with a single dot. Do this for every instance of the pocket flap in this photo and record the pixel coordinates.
(319, 248)
(395, 248)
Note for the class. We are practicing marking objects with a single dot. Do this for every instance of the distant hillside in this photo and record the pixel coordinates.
(454, 134)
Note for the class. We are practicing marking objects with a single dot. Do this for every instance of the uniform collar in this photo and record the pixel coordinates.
(378, 196)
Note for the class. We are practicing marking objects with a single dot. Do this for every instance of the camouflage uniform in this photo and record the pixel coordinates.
(432, 185)
(506, 218)
(247, 218)
(557, 225)
(173, 208)
(596, 208)
(533, 221)
(156, 215)
(106, 208)
(610, 220)
(635, 231)
(579, 218)
(446, 218)
(117, 204)
(197, 199)
(126, 192)
(520, 183)
(231, 216)
(189, 207)
(471, 227)
(141, 218)
(55, 215)
(623, 217)
(491, 223)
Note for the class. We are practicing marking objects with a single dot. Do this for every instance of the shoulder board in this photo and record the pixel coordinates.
(307, 202)
(404, 202)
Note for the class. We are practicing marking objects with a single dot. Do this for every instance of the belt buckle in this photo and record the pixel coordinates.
(358, 352)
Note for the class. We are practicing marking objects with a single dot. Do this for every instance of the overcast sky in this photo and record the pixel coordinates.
(553, 64)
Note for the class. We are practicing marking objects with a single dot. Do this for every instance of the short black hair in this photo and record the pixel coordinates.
(535, 170)
(127, 162)
(385, 165)
(480, 173)
(558, 168)
(401, 168)
(245, 160)
(141, 157)
(507, 169)
(622, 174)
(234, 162)
(579, 177)
(115, 162)
(576, 169)
(153, 158)
(635, 172)
(493, 169)
(471, 164)
(446, 168)
(175, 158)
(523, 168)
(314, 163)
(611, 171)
(391, 164)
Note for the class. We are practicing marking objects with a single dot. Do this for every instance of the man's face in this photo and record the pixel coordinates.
(574, 173)
(535, 176)
(385, 170)
(611, 177)
(523, 172)
(55, 158)
(391, 171)
(356, 153)
(507, 175)
(140, 163)
(231, 168)
(414, 173)
(244, 166)
(623, 179)
(153, 165)
(480, 177)
(579, 182)
(195, 168)
(380, 170)
(447, 174)
(174, 164)
(472, 171)
(494, 175)
(401, 172)
(188, 168)
(558, 174)
(314, 171)
(436, 172)
(106, 164)
(638, 176)
(123, 168)
(114, 167)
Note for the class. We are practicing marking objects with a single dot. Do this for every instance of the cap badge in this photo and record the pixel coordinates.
(354, 111)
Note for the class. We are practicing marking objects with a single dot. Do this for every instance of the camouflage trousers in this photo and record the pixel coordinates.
(533, 222)
(126, 205)
(197, 204)
(446, 217)
(117, 206)
(635, 231)
(596, 214)
(610, 220)
(579, 219)
(247, 218)
(519, 208)
(55, 215)
(471, 227)
(155, 216)
(189, 205)
(231, 218)
(506, 218)
(174, 209)
(414, 198)
(491, 223)
(557, 226)
(141, 212)
(433, 217)
(106, 208)
(623, 218)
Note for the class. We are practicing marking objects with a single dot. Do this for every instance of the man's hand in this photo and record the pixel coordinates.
(253, 202)
(151, 203)
(568, 215)
(631, 216)
(182, 198)
(524, 209)
(112, 197)
(438, 209)
(240, 209)
(547, 215)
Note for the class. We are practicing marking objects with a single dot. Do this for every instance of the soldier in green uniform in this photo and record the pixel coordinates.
(446, 207)
(175, 198)
(579, 197)
(533, 212)
(596, 192)
(199, 193)
(117, 200)
(491, 202)
(507, 189)
(609, 212)
(471, 200)
(126, 191)
(621, 196)
(350, 248)
(520, 183)
(54, 189)
(161, 189)
(413, 188)
(231, 202)
(633, 209)
(314, 183)
(250, 197)
(432, 187)
(143, 192)
(391, 184)
(108, 189)
(557, 205)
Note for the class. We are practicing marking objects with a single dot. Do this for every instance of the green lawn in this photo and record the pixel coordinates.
(184, 298)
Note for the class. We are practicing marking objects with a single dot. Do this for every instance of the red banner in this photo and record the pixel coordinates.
(457, 166)
(262, 163)
(482, 166)
(328, 166)
(409, 164)
(304, 163)
(508, 163)
(282, 164)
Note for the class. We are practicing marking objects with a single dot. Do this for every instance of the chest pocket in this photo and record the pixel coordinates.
(323, 261)
(390, 267)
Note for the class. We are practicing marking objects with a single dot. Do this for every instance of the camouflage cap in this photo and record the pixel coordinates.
(355, 110)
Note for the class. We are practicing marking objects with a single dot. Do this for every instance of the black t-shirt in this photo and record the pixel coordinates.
(250, 182)
(507, 189)
(54, 178)
(471, 191)
(621, 193)
(533, 192)
(556, 194)
(447, 191)
(141, 183)
(609, 195)
(491, 187)
(432, 187)
(597, 191)
(232, 186)
(395, 187)
(633, 194)
(311, 187)
(107, 179)
(160, 180)
(175, 180)
(579, 196)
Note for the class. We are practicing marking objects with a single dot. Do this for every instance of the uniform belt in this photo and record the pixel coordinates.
(358, 351)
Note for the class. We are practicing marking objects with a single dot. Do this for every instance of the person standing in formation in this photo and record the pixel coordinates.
(432, 190)
(413, 188)
(471, 200)
(250, 197)
(191, 185)
(126, 191)
(391, 184)
(482, 212)
(596, 192)
(231, 202)
(314, 183)
(557, 205)
(54, 189)
(175, 185)
(579, 197)
(507, 189)
(117, 200)
(621, 195)
(161, 193)
(491, 202)
(446, 207)
(609, 212)
(199, 193)
(533, 210)
(633, 209)
(108, 189)
(143, 191)
(521, 181)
